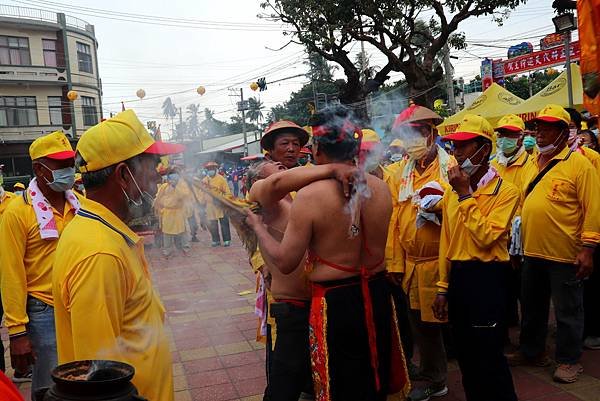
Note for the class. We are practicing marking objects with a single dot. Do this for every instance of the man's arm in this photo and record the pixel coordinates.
(277, 186)
(13, 278)
(95, 294)
(587, 192)
(287, 255)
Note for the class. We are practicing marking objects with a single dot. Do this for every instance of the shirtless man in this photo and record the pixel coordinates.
(289, 373)
(353, 341)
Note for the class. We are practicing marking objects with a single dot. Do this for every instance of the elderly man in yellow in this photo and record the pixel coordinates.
(214, 214)
(106, 307)
(419, 183)
(561, 229)
(30, 228)
(172, 203)
(473, 261)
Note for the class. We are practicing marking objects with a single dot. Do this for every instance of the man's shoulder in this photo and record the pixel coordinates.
(17, 207)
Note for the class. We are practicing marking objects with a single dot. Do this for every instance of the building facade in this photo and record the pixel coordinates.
(43, 56)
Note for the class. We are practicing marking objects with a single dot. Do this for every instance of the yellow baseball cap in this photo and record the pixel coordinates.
(553, 113)
(471, 127)
(53, 146)
(511, 122)
(118, 139)
(19, 185)
(396, 143)
(369, 139)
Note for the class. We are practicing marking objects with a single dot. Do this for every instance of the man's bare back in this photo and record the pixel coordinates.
(331, 223)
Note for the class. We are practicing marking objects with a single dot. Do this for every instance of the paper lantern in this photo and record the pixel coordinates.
(72, 95)
(141, 93)
(201, 90)
(254, 86)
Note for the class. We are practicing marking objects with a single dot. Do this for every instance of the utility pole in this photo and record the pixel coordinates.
(181, 123)
(568, 62)
(244, 121)
(449, 85)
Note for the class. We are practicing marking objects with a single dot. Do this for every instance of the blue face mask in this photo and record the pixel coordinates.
(211, 173)
(62, 179)
(507, 145)
(529, 142)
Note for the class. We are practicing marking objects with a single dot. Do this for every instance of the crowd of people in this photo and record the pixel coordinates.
(439, 243)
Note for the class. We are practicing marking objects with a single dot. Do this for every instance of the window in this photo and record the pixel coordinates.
(55, 109)
(88, 105)
(18, 111)
(49, 47)
(14, 51)
(84, 57)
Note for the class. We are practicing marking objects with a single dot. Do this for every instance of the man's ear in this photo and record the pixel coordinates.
(121, 175)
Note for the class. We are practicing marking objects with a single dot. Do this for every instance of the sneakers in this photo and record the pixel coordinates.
(592, 343)
(567, 373)
(19, 377)
(518, 359)
(215, 244)
(425, 393)
(226, 243)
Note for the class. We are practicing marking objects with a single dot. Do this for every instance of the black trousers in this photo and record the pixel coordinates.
(350, 371)
(477, 312)
(591, 300)
(290, 369)
(402, 311)
(213, 226)
(543, 280)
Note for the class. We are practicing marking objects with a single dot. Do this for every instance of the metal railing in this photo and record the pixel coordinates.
(36, 14)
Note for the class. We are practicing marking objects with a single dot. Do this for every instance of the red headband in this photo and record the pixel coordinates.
(348, 127)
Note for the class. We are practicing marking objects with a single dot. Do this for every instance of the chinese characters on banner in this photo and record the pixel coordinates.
(540, 60)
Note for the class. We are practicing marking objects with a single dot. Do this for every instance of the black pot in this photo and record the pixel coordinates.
(92, 380)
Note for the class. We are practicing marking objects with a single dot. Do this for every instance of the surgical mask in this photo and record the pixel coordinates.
(529, 142)
(417, 148)
(396, 157)
(468, 167)
(573, 140)
(62, 179)
(141, 207)
(549, 149)
(507, 145)
(211, 173)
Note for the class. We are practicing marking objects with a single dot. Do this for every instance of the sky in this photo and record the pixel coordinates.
(167, 60)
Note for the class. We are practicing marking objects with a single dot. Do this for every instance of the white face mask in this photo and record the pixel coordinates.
(468, 165)
(549, 149)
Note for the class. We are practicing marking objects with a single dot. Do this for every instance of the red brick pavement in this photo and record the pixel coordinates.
(211, 329)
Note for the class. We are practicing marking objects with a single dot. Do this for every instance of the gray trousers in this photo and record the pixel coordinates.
(430, 342)
(169, 242)
(42, 335)
(543, 280)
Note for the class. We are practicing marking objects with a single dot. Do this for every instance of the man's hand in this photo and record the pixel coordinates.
(440, 307)
(345, 174)
(459, 180)
(22, 354)
(585, 263)
(253, 220)
(396, 278)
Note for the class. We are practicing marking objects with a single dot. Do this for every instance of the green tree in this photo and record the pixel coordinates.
(519, 85)
(192, 120)
(330, 28)
(170, 111)
(211, 127)
(255, 108)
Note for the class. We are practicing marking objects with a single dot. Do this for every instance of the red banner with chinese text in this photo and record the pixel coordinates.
(540, 60)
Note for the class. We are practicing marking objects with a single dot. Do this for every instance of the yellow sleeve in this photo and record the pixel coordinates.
(589, 199)
(443, 262)
(256, 261)
(394, 253)
(95, 294)
(13, 287)
(485, 230)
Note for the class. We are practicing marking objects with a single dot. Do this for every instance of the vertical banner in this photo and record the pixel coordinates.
(487, 78)
(588, 16)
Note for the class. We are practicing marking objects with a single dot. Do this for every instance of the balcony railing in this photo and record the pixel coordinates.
(36, 14)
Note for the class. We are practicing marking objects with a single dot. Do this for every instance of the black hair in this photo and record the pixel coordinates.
(98, 178)
(593, 137)
(575, 116)
(339, 142)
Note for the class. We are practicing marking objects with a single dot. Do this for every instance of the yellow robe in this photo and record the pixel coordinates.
(218, 183)
(172, 205)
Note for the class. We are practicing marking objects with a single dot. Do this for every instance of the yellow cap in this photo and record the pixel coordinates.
(553, 113)
(369, 135)
(471, 127)
(118, 139)
(511, 122)
(19, 185)
(584, 125)
(53, 146)
(397, 143)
